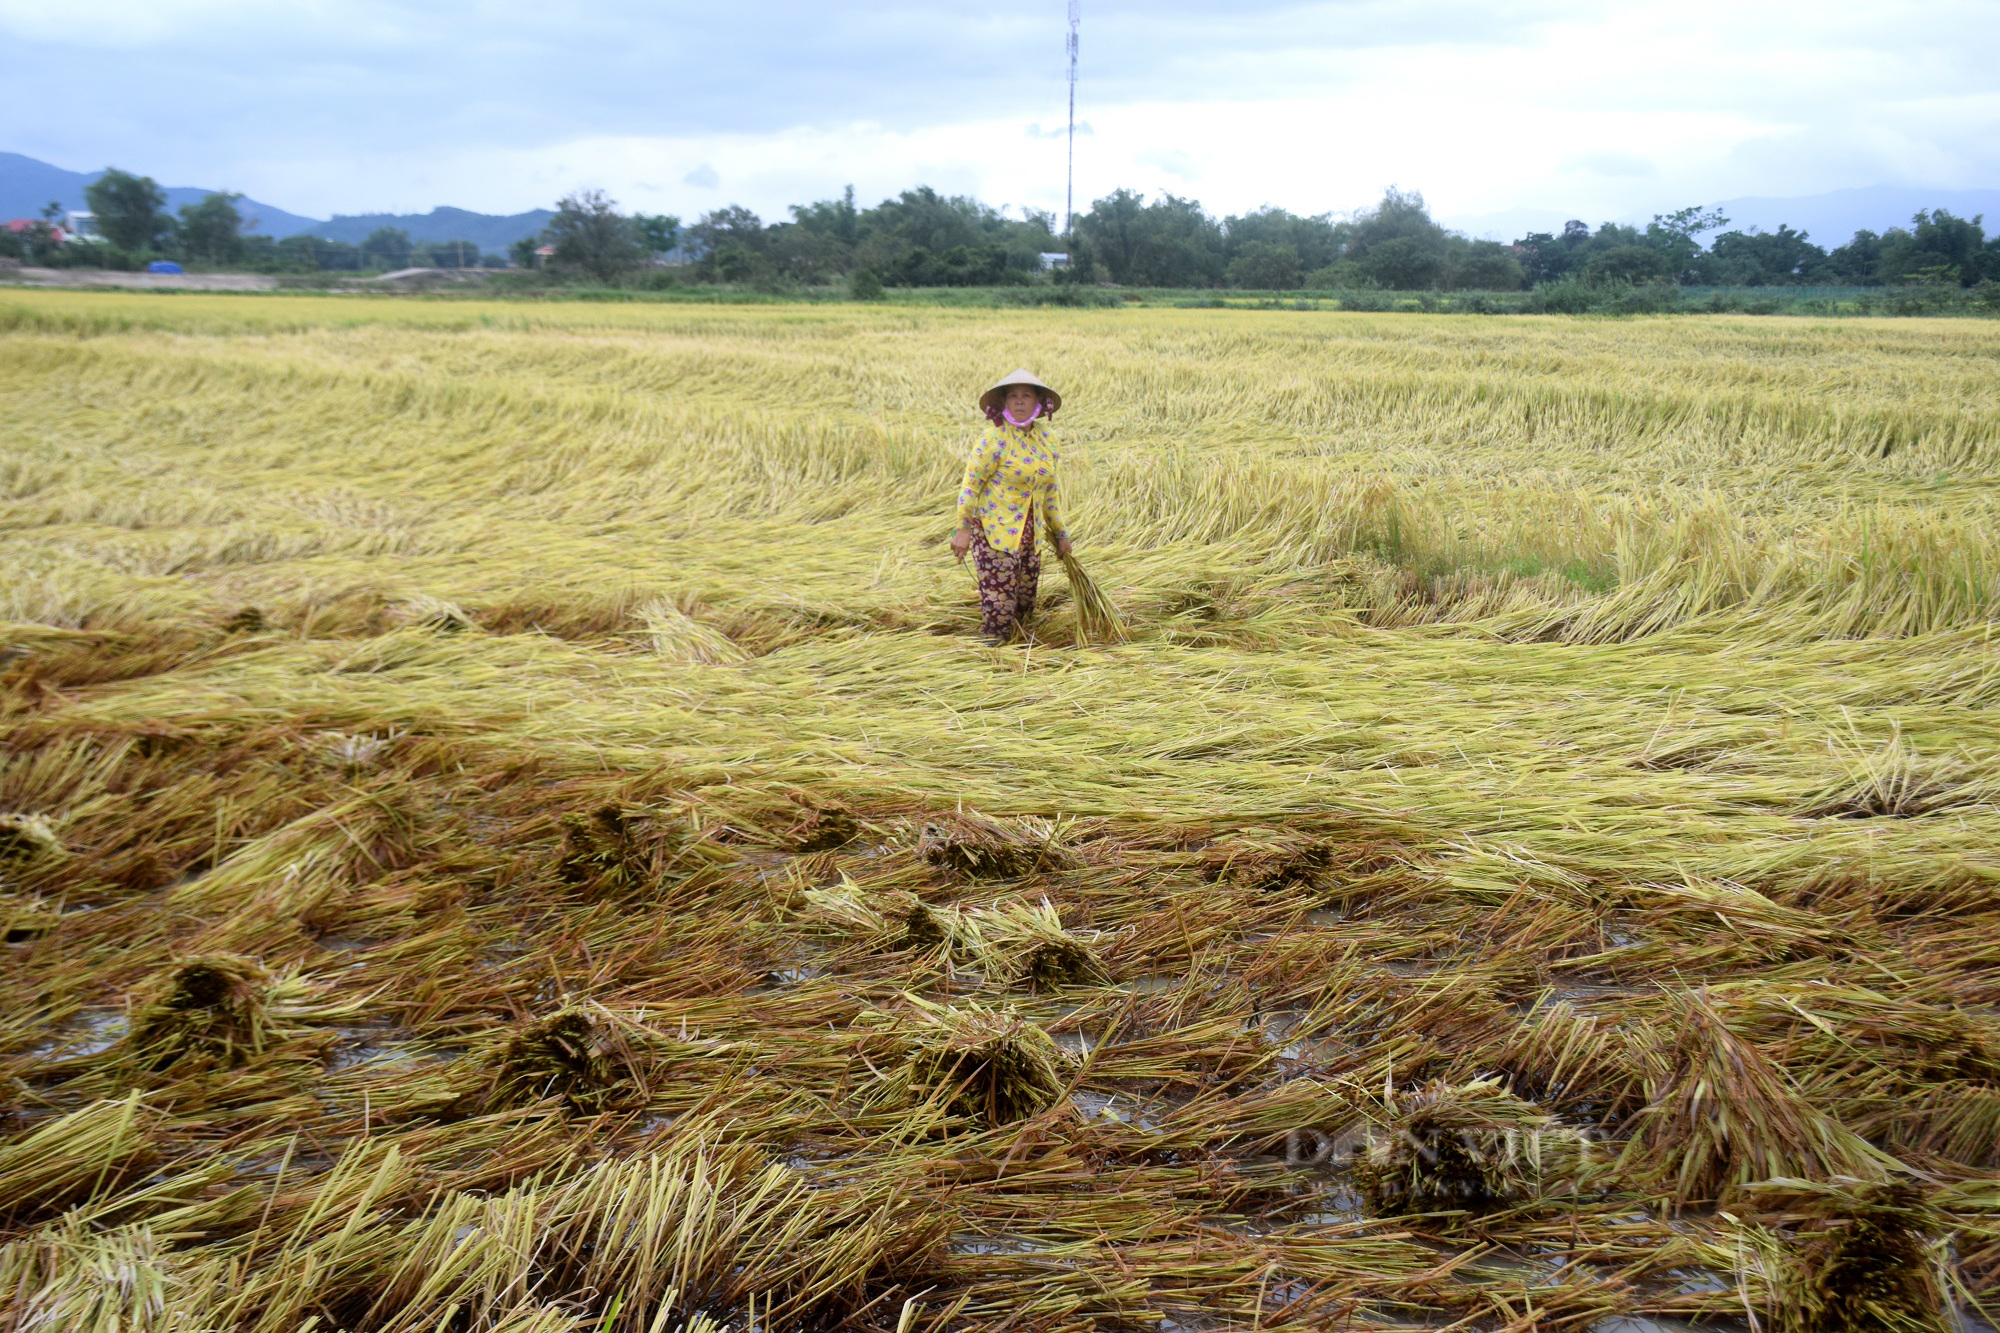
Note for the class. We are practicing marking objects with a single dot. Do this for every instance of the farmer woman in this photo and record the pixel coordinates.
(1010, 491)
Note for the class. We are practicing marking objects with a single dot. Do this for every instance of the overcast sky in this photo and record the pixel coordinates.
(1597, 110)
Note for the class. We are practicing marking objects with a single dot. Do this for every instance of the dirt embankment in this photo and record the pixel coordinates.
(30, 276)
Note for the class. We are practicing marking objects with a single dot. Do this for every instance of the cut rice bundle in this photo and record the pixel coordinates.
(894, 921)
(1025, 944)
(65, 1161)
(1851, 1256)
(581, 1054)
(1097, 618)
(1721, 1116)
(978, 847)
(212, 1011)
(27, 838)
(219, 1011)
(823, 826)
(25, 918)
(1898, 782)
(435, 614)
(614, 851)
(678, 637)
(989, 1066)
(1469, 1147)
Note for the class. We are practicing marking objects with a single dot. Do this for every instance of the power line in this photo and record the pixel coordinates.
(1069, 190)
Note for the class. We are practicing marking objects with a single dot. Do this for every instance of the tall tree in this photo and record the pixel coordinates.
(128, 209)
(386, 247)
(836, 219)
(1485, 266)
(1939, 247)
(1271, 266)
(1755, 258)
(1397, 244)
(212, 230)
(1316, 240)
(590, 234)
(659, 232)
(1677, 235)
(1170, 242)
(730, 243)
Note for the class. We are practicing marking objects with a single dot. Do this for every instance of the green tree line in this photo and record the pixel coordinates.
(921, 238)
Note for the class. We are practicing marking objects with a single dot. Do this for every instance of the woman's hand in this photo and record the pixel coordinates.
(961, 542)
(1062, 547)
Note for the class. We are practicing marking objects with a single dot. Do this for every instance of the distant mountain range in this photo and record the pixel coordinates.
(28, 185)
(491, 232)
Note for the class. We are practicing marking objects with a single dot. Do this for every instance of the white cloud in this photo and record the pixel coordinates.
(1612, 162)
(1620, 109)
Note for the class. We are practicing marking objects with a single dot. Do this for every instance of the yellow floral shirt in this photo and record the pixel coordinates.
(1010, 471)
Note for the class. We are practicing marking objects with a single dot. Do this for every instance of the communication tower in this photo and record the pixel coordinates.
(1069, 191)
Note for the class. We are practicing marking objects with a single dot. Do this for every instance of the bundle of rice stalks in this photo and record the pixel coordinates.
(1285, 867)
(353, 755)
(208, 1012)
(1468, 1147)
(1284, 862)
(1565, 1059)
(1721, 1116)
(893, 921)
(1026, 944)
(580, 1053)
(1852, 1256)
(991, 1067)
(1828, 1025)
(1958, 1121)
(921, 929)
(845, 909)
(602, 851)
(1973, 1208)
(1752, 923)
(27, 838)
(437, 614)
(1708, 747)
(1097, 618)
(1896, 782)
(77, 1157)
(678, 637)
(822, 827)
(977, 847)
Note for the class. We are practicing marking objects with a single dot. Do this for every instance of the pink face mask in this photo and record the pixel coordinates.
(1017, 425)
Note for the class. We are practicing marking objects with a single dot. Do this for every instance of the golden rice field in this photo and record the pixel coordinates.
(506, 824)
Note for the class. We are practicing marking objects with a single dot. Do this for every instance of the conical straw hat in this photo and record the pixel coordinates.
(991, 398)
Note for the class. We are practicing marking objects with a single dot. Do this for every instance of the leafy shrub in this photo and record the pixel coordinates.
(1263, 266)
